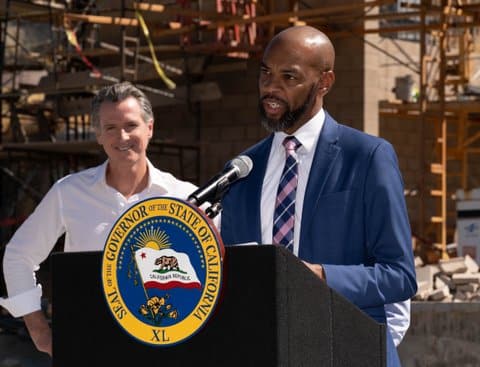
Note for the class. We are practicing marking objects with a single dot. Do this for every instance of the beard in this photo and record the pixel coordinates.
(290, 117)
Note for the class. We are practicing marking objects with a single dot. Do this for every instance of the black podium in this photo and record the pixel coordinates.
(273, 312)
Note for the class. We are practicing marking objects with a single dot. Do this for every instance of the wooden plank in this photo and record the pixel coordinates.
(201, 92)
(453, 106)
(82, 79)
(109, 49)
(101, 19)
(472, 139)
(158, 8)
(186, 12)
(86, 146)
(336, 19)
(283, 16)
(436, 168)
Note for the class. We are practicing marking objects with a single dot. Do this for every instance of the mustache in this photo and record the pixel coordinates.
(269, 96)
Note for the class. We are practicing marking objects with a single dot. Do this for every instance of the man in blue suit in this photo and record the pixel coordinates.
(349, 222)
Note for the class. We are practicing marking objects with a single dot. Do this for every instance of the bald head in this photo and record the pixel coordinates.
(319, 48)
(296, 73)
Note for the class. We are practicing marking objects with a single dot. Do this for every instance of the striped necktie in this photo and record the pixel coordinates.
(284, 215)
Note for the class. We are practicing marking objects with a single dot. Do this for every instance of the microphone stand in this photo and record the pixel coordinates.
(216, 207)
(213, 210)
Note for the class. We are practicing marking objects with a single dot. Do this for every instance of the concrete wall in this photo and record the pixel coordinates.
(442, 335)
(385, 59)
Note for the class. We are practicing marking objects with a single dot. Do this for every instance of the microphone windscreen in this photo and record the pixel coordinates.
(244, 165)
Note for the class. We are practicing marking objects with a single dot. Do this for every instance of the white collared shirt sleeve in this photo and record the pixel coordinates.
(23, 303)
(398, 319)
(28, 248)
(82, 206)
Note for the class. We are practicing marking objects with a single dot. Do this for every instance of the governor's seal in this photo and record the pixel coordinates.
(162, 270)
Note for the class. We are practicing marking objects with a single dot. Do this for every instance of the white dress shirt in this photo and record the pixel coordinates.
(85, 208)
(398, 314)
(398, 319)
(307, 135)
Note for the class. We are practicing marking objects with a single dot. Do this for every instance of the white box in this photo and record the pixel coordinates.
(468, 228)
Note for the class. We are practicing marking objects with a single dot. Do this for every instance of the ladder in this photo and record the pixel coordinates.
(444, 74)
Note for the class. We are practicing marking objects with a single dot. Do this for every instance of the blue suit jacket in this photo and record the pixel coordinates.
(354, 219)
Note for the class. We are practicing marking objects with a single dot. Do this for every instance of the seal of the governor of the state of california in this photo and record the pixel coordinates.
(162, 270)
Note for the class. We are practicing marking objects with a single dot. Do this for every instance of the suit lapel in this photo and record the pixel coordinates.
(253, 188)
(326, 153)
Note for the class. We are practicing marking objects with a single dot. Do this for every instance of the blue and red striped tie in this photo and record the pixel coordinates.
(284, 215)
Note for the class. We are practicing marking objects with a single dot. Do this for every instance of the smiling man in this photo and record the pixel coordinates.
(85, 205)
(331, 194)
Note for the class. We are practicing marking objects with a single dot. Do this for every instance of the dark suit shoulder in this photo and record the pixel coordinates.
(358, 141)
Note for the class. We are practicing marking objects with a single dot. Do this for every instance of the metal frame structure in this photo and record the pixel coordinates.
(239, 28)
(446, 30)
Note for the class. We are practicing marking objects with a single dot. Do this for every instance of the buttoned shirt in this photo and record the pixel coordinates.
(307, 135)
(85, 208)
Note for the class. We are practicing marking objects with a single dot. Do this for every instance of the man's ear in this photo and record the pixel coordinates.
(328, 79)
(98, 135)
(150, 129)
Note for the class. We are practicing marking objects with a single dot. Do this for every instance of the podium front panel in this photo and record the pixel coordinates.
(273, 312)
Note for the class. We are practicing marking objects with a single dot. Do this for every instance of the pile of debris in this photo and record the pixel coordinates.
(453, 280)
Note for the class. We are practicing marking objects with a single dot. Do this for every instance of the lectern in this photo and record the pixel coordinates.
(273, 312)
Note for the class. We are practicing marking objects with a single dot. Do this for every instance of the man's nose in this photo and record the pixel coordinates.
(123, 134)
(270, 84)
(272, 87)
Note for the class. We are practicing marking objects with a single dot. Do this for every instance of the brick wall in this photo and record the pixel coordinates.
(222, 128)
(404, 134)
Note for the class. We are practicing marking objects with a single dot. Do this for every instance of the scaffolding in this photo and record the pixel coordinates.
(189, 33)
(446, 104)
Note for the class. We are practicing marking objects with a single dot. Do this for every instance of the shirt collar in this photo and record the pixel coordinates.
(155, 177)
(100, 175)
(307, 134)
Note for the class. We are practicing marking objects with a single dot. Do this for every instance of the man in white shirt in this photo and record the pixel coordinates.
(85, 205)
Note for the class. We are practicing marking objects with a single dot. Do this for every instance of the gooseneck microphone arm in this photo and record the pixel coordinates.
(214, 189)
(211, 191)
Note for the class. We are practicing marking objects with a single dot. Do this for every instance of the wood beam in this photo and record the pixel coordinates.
(199, 92)
(273, 17)
(402, 28)
(157, 8)
(101, 19)
(231, 21)
(348, 18)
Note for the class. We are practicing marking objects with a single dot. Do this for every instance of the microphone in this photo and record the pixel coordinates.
(214, 189)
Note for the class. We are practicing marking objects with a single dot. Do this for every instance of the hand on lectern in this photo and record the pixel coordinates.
(39, 331)
(317, 270)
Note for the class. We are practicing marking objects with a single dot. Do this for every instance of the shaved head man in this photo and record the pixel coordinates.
(338, 202)
(296, 73)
